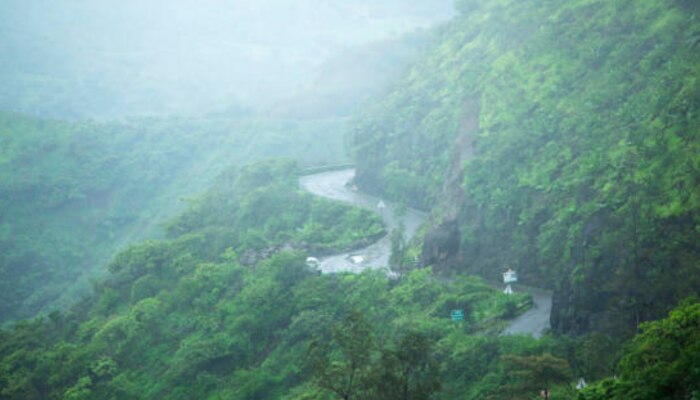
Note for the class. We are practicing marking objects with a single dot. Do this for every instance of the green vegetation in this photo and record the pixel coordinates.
(661, 362)
(72, 194)
(562, 138)
(192, 317)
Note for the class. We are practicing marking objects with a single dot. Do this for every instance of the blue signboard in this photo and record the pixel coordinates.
(457, 315)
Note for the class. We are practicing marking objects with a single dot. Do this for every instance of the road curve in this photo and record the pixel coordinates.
(333, 185)
(534, 321)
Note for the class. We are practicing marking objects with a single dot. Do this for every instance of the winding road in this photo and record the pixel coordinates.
(534, 321)
(333, 185)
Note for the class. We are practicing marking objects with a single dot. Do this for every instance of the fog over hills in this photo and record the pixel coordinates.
(178, 91)
(349, 199)
(105, 59)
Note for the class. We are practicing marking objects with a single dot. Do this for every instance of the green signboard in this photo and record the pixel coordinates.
(457, 315)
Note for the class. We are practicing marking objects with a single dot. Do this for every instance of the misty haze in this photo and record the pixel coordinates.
(125, 58)
(354, 200)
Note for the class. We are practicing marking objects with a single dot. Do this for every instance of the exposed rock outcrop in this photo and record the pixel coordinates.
(441, 247)
(442, 244)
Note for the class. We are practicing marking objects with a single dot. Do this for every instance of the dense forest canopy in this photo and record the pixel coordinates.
(156, 241)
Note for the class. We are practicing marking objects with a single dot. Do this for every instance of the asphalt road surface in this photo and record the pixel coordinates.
(534, 321)
(334, 185)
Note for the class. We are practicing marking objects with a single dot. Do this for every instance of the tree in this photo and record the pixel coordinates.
(398, 247)
(533, 374)
(345, 369)
(80, 391)
(660, 362)
(409, 371)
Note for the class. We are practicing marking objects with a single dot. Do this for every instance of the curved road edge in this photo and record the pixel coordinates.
(333, 185)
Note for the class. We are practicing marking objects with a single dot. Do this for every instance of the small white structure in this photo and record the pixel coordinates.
(357, 259)
(581, 384)
(381, 206)
(312, 262)
(510, 276)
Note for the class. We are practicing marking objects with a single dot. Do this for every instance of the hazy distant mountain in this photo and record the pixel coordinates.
(114, 58)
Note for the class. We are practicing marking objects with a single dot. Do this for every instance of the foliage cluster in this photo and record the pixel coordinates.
(581, 169)
(660, 362)
(73, 193)
(182, 318)
(565, 134)
(264, 204)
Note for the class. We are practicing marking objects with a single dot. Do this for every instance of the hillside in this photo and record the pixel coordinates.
(558, 138)
(192, 316)
(169, 258)
(73, 194)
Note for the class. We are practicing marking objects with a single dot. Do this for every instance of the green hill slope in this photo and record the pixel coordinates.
(72, 194)
(191, 317)
(560, 138)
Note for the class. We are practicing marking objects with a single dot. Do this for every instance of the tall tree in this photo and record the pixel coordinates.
(533, 374)
(409, 371)
(346, 370)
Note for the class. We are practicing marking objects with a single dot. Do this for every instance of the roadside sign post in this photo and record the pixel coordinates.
(581, 384)
(381, 206)
(457, 315)
(509, 277)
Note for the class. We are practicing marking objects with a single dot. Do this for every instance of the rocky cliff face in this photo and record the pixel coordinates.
(442, 245)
